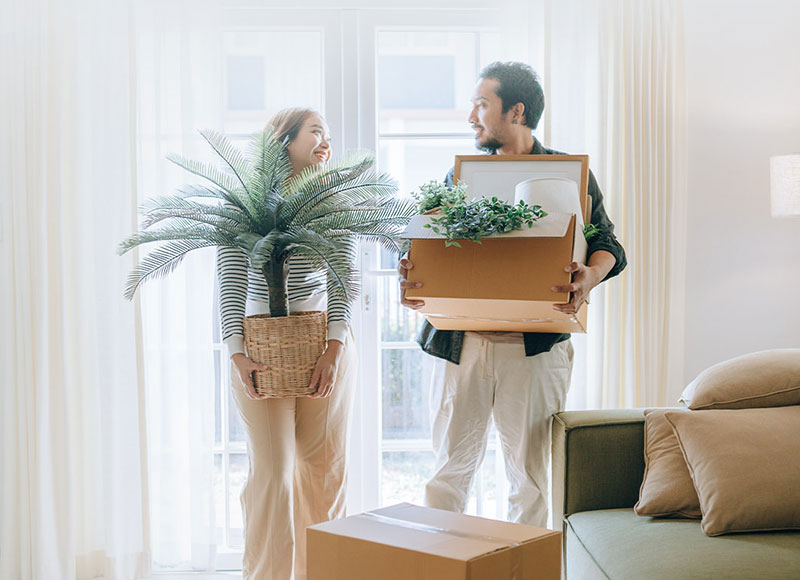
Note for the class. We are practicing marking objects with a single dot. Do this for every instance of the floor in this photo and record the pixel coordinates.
(198, 576)
(203, 576)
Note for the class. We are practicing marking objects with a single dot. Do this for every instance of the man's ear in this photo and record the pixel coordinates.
(518, 114)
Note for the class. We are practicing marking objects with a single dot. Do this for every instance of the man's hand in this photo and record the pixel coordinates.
(322, 380)
(584, 278)
(245, 366)
(402, 269)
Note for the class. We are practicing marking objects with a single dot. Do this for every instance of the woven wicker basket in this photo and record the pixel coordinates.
(290, 346)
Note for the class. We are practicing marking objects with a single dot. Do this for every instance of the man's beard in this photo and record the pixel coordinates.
(489, 146)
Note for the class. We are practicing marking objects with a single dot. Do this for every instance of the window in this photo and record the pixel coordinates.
(357, 70)
(261, 76)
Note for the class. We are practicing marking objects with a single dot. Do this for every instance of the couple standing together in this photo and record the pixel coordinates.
(297, 446)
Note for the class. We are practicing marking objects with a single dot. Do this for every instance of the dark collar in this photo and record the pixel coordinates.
(538, 149)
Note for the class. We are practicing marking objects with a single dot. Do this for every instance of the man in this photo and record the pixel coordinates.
(521, 379)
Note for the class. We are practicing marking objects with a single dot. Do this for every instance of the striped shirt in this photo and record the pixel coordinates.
(243, 291)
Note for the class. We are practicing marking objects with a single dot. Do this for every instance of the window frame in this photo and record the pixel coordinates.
(349, 103)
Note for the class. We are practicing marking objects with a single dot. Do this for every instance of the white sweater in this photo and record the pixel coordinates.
(243, 291)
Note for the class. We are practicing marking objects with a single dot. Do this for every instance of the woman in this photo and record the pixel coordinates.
(296, 446)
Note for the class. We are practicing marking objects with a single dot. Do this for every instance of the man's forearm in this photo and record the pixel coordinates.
(601, 262)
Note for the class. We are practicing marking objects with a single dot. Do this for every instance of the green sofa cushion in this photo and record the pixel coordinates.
(619, 545)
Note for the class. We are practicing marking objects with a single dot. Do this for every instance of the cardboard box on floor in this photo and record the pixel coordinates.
(503, 283)
(407, 542)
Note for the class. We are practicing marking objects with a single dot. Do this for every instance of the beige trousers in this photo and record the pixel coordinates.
(297, 474)
(521, 393)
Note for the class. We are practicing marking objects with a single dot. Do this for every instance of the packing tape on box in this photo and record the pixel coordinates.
(518, 320)
(506, 542)
(503, 543)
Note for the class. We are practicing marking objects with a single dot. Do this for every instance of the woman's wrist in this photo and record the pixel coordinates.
(235, 345)
(334, 347)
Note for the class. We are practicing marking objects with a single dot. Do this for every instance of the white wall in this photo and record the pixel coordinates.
(743, 266)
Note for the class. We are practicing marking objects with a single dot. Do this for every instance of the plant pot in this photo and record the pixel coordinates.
(290, 346)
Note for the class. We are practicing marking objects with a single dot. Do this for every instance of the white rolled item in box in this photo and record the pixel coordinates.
(554, 194)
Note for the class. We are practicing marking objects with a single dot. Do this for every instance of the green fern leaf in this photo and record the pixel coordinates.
(158, 208)
(337, 263)
(179, 229)
(333, 192)
(220, 179)
(270, 168)
(230, 155)
(161, 262)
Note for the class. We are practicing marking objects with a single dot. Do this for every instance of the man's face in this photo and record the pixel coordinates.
(490, 125)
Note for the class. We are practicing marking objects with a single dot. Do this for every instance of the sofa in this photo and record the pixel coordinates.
(598, 465)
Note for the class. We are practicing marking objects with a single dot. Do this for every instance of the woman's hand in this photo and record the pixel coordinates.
(325, 372)
(246, 366)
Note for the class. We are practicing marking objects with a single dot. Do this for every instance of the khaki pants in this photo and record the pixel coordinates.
(297, 471)
(522, 394)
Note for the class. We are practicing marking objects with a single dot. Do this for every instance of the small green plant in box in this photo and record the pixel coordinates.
(591, 230)
(459, 219)
(483, 217)
(435, 194)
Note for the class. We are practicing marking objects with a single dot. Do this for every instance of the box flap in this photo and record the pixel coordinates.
(553, 225)
(501, 316)
(580, 247)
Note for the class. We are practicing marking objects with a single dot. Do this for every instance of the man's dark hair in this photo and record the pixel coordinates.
(517, 83)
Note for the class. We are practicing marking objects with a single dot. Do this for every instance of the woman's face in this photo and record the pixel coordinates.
(311, 146)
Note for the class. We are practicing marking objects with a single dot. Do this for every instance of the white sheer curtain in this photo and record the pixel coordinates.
(74, 489)
(179, 91)
(615, 88)
(94, 94)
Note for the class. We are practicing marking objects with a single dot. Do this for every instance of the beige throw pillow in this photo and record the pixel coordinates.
(770, 378)
(745, 465)
(667, 488)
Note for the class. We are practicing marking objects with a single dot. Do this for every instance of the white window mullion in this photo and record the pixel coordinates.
(365, 457)
(225, 438)
(358, 108)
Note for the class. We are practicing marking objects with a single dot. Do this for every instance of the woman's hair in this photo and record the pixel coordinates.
(287, 123)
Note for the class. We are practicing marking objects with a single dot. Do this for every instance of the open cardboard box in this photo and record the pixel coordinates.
(408, 542)
(503, 283)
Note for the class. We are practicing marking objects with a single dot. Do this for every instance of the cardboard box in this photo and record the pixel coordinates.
(503, 283)
(407, 542)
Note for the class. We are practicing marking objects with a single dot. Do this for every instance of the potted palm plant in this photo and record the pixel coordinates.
(252, 202)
